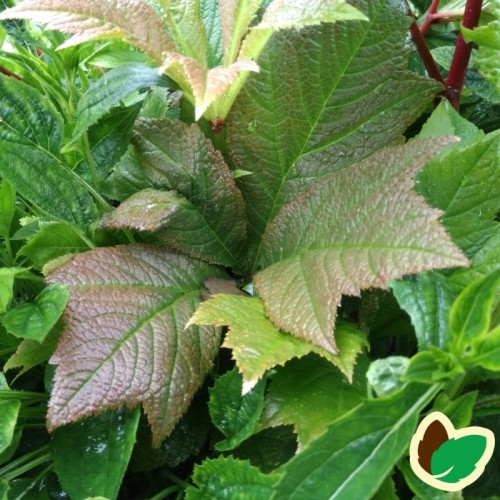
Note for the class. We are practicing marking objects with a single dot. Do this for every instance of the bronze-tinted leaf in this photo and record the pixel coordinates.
(125, 342)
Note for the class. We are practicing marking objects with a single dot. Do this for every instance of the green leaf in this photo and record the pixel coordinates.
(460, 455)
(488, 39)
(180, 224)
(7, 207)
(54, 239)
(387, 490)
(357, 451)
(258, 345)
(465, 184)
(97, 449)
(7, 275)
(427, 298)
(126, 316)
(234, 414)
(30, 138)
(471, 311)
(310, 393)
(421, 489)
(35, 320)
(358, 228)
(31, 353)
(488, 351)
(4, 489)
(385, 376)
(289, 137)
(213, 29)
(9, 409)
(109, 90)
(459, 411)
(177, 157)
(433, 365)
(227, 479)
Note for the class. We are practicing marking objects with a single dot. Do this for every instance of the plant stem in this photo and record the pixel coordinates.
(425, 53)
(165, 493)
(429, 19)
(7, 72)
(461, 56)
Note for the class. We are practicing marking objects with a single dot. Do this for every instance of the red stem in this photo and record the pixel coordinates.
(7, 72)
(428, 20)
(425, 53)
(461, 56)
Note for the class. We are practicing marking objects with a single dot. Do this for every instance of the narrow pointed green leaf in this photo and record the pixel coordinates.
(97, 449)
(310, 393)
(176, 222)
(488, 351)
(7, 207)
(35, 320)
(307, 114)
(358, 228)
(227, 479)
(459, 411)
(179, 158)
(109, 90)
(234, 414)
(210, 14)
(357, 451)
(427, 298)
(258, 345)
(9, 409)
(126, 317)
(471, 312)
(460, 455)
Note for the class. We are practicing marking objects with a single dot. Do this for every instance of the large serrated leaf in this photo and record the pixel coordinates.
(308, 114)
(356, 229)
(258, 345)
(357, 451)
(109, 90)
(137, 22)
(125, 342)
(210, 14)
(177, 157)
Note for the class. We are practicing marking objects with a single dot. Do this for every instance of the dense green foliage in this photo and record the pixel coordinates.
(244, 248)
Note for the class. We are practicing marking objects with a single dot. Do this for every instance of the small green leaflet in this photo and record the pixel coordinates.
(7, 275)
(35, 320)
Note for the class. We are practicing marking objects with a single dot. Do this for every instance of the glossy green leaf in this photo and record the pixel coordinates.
(385, 376)
(459, 411)
(126, 316)
(427, 298)
(356, 103)
(7, 275)
(31, 353)
(7, 207)
(109, 90)
(176, 222)
(465, 184)
(460, 455)
(30, 138)
(177, 157)
(97, 450)
(34, 320)
(9, 409)
(488, 39)
(53, 240)
(211, 19)
(471, 312)
(258, 345)
(234, 414)
(488, 351)
(357, 451)
(227, 478)
(310, 393)
(358, 228)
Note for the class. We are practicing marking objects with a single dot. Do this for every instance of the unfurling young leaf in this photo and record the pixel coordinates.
(358, 228)
(125, 318)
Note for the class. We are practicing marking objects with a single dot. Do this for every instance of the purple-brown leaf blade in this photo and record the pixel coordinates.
(124, 342)
(358, 228)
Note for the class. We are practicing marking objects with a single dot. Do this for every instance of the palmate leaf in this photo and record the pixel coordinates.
(134, 21)
(205, 218)
(308, 113)
(258, 345)
(356, 229)
(125, 342)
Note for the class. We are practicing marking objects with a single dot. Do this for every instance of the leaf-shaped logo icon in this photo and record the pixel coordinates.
(446, 458)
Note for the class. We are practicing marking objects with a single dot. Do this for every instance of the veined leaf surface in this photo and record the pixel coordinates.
(356, 229)
(325, 97)
(125, 342)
